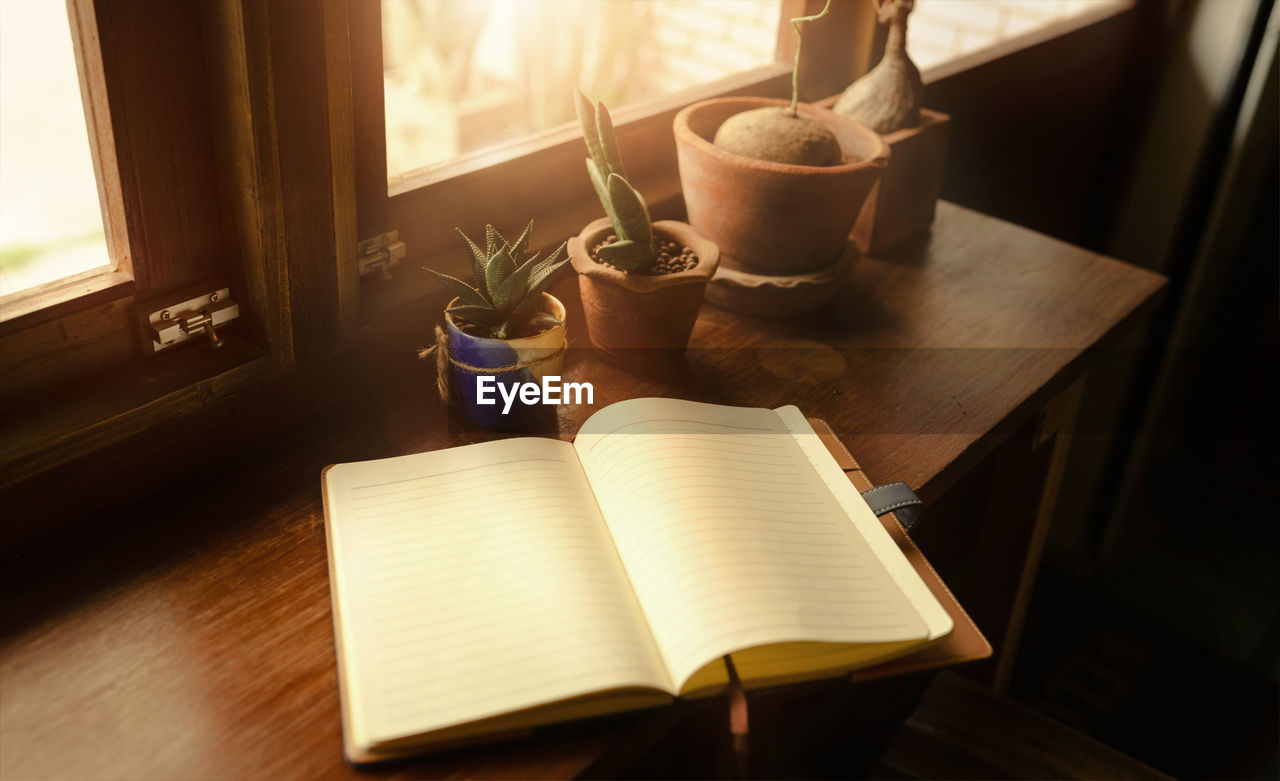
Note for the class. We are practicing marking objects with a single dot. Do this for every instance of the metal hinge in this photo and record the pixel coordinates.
(187, 320)
(379, 253)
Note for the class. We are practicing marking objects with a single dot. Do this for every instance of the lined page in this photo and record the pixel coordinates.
(865, 521)
(730, 537)
(476, 581)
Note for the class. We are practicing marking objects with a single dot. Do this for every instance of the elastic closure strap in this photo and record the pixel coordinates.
(896, 498)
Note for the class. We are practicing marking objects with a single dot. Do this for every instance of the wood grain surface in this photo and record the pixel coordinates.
(191, 636)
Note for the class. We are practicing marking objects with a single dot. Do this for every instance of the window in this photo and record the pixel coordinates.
(461, 76)
(942, 32)
(500, 127)
(165, 90)
(50, 218)
(148, 133)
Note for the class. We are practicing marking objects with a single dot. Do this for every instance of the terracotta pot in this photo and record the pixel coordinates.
(903, 202)
(530, 358)
(627, 312)
(779, 296)
(773, 218)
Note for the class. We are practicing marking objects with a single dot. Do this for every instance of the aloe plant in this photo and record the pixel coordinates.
(508, 286)
(635, 249)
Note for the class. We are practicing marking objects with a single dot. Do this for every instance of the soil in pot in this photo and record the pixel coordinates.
(672, 257)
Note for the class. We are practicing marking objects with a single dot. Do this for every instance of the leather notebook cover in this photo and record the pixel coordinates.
(965, 643)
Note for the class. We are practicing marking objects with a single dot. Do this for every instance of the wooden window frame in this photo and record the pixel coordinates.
(192, 193)
(49, 300)
(67, 348)
(493, 186)
(541, 177)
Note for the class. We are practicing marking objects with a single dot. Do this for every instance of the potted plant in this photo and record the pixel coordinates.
(772, 182)
(887, 99)
(642, 282)
(505, 326)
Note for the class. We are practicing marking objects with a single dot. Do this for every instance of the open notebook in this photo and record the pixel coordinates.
(493, 587)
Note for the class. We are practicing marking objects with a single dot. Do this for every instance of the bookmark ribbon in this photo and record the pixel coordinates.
(739, 727)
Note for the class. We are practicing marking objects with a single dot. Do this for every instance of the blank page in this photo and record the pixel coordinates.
(729, 535)
(865, 521)
(476, 581)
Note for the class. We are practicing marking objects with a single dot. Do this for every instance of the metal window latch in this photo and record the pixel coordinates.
(379, 253)
(195, 317)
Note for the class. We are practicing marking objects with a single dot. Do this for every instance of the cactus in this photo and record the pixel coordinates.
(635, 250)
(503, 302)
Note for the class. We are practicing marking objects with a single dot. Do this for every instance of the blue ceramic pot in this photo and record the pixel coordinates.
(533, 357)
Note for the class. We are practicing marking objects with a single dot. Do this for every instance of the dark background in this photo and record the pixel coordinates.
(1152, 137)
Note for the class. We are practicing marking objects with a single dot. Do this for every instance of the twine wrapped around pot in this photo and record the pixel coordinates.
(444, 359)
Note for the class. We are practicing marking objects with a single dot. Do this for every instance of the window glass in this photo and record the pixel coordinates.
(939, 31)
(463, 75)
(50, 220)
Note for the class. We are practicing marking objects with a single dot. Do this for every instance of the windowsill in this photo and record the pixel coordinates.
(37, 434)
(52, 300)
(1018, 43)
(547, 183)
(411, 284)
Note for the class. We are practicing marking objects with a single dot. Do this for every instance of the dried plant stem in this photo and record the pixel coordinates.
(795, 68)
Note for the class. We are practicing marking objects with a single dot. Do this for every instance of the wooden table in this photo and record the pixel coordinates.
(192, 637)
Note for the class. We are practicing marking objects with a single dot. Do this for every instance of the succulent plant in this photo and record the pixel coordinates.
(782, 135)
(503, 303)
(635, 250)
(888, 97)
